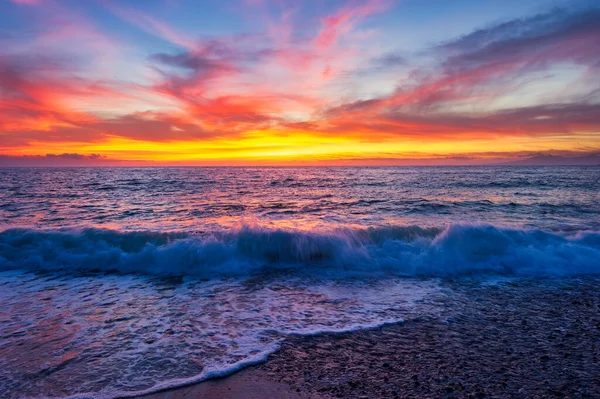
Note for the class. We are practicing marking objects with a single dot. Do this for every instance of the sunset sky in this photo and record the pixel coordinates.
(234, 82)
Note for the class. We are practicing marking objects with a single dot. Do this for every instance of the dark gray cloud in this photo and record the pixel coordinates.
(74, 156)
(186, 60)
(50, 160)
(390, 60)
(556, 36)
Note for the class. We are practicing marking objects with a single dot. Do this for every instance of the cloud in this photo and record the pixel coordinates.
(543, 120)
(31, 94)
(343, 21)
(75, 156)
(195, 63)
(151, 25)
(390, 60)
(38, 98)
(314, 77)
(481, 67)
(518, 47)
(210, 60)
(66, 159)
(200, 69)
(490, 62)
(152, 127)
(26, 2)
(552, 157)
(571, 34)
(549, 120)
(147, 126)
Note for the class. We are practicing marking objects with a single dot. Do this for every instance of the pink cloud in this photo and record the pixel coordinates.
(26, 2)
(343, 21)
(153, 26)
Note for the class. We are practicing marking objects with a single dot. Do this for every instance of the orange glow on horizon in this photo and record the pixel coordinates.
(271, 148)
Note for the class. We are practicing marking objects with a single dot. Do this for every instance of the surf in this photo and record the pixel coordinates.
(411, 251)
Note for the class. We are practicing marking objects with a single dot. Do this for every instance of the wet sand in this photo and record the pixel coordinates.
(251, 383)
(521, 339)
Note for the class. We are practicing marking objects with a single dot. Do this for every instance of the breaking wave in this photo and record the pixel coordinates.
(400, 251)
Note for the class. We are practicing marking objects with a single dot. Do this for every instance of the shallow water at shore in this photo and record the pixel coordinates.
(125, 335)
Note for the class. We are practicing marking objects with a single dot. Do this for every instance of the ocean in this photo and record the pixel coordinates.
(120, 281)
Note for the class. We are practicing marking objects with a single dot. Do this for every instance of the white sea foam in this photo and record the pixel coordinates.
(118, 336)
(401, 251)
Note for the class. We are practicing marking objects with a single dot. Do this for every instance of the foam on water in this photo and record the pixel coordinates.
(114, 336)
(399, 251)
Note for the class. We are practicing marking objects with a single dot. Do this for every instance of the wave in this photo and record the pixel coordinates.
(457, 249)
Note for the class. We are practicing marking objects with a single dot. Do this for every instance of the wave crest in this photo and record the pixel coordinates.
(400, 251)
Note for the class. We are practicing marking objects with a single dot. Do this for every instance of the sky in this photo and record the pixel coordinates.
(278, 82)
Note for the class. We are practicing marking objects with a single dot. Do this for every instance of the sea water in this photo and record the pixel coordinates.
(121, 281)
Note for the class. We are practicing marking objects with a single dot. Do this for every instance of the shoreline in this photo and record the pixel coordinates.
(248, 383)
(523, 338)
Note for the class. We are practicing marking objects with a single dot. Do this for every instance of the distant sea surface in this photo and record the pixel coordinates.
(202, 199)
(121, 281)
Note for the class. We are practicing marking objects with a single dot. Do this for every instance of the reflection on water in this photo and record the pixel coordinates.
(118, 334)
(302, 198)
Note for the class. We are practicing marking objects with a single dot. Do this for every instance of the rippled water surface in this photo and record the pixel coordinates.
(205, 198)
(118, 281)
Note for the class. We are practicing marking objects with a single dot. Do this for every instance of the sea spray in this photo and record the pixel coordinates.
(394, 251)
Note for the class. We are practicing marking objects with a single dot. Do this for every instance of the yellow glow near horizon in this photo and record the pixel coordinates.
(270, 147)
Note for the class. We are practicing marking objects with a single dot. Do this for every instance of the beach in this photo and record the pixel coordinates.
(520, 338)
(251, 383)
